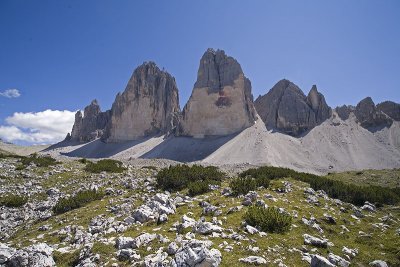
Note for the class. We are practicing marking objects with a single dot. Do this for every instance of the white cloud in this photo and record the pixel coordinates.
(46, 127)
(10, 93)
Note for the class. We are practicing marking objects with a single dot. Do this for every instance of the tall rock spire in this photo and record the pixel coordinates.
(147, 106)
(221, 102)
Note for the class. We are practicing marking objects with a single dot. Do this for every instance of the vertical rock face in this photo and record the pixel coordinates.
(147, 106)
(391, 109)
(369, 116)
(344, 111)
(318, 104)
(286, 108)
(91, 124)
(221, 102)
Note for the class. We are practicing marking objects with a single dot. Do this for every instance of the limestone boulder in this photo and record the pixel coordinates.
(221, 102)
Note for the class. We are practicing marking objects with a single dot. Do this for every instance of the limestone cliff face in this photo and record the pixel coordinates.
(286, 108)
(369, 116)
(147, 106)
(344, 111)
(91, 124)
(221, 102)
(390, 108)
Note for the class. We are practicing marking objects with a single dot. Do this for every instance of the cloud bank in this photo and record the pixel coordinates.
(10, 93)
(45, 127)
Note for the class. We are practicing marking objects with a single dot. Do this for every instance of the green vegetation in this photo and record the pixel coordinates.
(351, 193)
(385, 178)
(175, 178)
(242, 185)
(40, 161)
(83, 160)
(13, 201)
(79, 200)
(198, 188)
(268, 219)
(105, 165)
(66, 259)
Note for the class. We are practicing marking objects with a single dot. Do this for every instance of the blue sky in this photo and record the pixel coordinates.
(60, 55)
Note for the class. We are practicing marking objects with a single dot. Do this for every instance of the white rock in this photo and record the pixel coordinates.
(337, 260)
(256, 260)
(378, 263)
(319, 261)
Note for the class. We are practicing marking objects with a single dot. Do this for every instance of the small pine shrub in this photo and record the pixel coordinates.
(242, 185)
(80, 199)
(352, 193)
(268, 219)
(198, 188)
(175, 178)
(40, 161)
(105, 165)
(83, 160)
(66, 259)
(13, 201)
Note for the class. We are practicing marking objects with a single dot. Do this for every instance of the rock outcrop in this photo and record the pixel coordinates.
(221, 102)
(344, 111)
(91, 124)
(148, 105)
(369, 116)
(391, 109)
(287, 109)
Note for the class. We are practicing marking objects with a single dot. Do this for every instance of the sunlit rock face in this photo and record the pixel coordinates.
(221, 102)
(148, 106)
(91, 124)
(286, 108)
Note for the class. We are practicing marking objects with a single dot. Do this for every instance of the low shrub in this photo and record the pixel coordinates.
(198, 188)
(242, 185)
(83, 160)
(66, 259)
(105, 165)
(80, 199)
(351, 193)
(175, 178)
(13, 201)
(268, 219)
(40, 161)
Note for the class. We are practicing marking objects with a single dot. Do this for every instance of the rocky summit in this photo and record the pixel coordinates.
(146, 107)
(221, 102)
(287, 109)
(91, 124)
(370, 116)
(390, 108)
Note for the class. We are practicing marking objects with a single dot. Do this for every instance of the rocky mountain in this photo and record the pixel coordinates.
(147, 106)
(370, 116)
(91, 124)
(287, 109)
(221, 102)
(390, 108)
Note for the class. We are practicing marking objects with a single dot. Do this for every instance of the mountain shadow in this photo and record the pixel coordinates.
(187, 149)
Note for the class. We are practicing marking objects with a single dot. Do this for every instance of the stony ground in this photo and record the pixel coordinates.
(135, 224)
